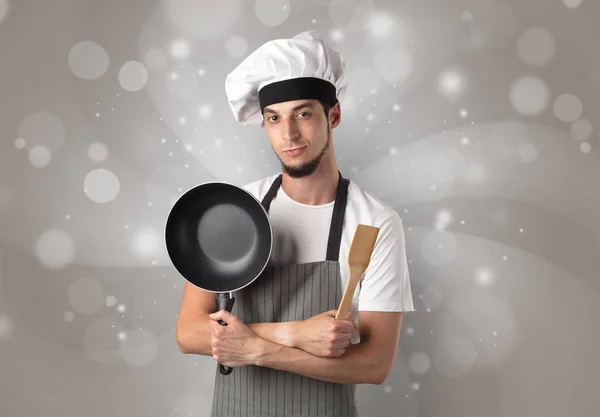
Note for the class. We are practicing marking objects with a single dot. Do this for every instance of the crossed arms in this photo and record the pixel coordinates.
(317, 348)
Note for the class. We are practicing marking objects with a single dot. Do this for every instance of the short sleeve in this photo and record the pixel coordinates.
(386, 283)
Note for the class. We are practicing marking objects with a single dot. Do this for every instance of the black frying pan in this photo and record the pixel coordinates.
(219, 239)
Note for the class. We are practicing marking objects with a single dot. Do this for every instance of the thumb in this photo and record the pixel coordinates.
(224, 315)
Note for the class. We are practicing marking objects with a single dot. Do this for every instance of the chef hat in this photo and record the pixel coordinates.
(303, 67)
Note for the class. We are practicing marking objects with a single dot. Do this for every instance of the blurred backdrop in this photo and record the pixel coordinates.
(477, 120)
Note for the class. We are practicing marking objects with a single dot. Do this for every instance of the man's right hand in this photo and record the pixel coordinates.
(323, 335)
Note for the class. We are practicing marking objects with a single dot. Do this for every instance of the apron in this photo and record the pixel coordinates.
(288, 293)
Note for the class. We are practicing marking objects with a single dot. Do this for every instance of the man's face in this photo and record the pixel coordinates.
(300, 134)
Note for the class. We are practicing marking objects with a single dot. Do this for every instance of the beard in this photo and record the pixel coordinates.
(309, 167)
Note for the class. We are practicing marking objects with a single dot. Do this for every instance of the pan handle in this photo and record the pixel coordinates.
(224, 302)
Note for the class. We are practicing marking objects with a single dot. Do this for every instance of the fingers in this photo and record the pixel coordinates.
(343, 326)
(224, 315)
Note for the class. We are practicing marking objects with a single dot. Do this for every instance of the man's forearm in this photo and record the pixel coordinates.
(280, 333)
(356, 366)
(194, 337)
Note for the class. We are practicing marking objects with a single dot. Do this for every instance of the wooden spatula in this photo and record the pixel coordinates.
(358, 260)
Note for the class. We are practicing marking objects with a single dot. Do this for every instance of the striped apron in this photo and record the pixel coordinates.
(280, 294)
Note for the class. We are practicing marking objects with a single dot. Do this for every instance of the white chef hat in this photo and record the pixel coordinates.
(303, 67)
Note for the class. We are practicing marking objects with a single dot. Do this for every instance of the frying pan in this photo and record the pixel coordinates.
(219, 238)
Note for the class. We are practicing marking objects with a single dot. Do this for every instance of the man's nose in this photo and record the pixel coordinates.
(289, 131)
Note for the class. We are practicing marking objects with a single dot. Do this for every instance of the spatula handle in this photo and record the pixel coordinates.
(355, 275)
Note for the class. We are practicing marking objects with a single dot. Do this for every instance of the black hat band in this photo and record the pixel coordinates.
(302, 88)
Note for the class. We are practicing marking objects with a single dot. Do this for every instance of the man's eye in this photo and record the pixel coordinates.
(271, 118)
(305, 113)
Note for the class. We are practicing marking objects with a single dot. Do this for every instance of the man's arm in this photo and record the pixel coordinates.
(280, 333)
(368, 362)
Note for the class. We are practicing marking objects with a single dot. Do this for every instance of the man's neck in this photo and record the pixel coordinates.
(316, 189)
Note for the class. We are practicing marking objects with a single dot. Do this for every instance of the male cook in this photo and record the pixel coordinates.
(291, 357)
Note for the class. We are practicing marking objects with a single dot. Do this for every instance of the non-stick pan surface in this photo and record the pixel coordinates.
(218, 237)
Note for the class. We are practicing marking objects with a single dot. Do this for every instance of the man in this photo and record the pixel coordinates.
(289, 354)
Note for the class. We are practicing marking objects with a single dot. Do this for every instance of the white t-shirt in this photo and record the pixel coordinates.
(301, 233)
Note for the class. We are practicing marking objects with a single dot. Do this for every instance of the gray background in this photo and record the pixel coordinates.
(476, 119)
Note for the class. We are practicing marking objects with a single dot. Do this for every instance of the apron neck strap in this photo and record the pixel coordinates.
(337, 220)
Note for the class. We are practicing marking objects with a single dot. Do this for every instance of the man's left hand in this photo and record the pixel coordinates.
(235, 344)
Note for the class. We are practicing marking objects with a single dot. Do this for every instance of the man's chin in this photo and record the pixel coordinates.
(300, 171)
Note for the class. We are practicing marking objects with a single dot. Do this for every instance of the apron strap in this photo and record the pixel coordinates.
(266, 201)
(337, 220)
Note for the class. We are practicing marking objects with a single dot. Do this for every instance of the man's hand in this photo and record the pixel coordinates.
(234, 344)
(323, 335)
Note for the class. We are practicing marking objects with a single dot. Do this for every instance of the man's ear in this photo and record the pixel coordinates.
(335, 115)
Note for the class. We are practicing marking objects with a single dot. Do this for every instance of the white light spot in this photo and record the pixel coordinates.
(443, 219)
(155, 58)
(110, 301)
(101, 186)
(100, 340)
(585, 147)
(419, 363)
(450, 83)
(529, 95)
(20, 143)
(88, 60)
(528, 152)
(380, 24)
(582, 129)
(484, 276)
(98, 152)
(464, 140)
(140, 347)
(271, 13)
(236, 46)
(69, 316)
(133, 76)
(40, 156)
(337, 35)
(54, 249)
(42, 128)
(536, 47)
(6, 327)
(180, 49)
(85, 295)
(573, 4)
(568, 107)
(475, 174)
(121, 308)
(388, 389)
(466, 16)
(396, 107)
(146, 243)
(205, 112)
(439, 247)
(463, 113)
